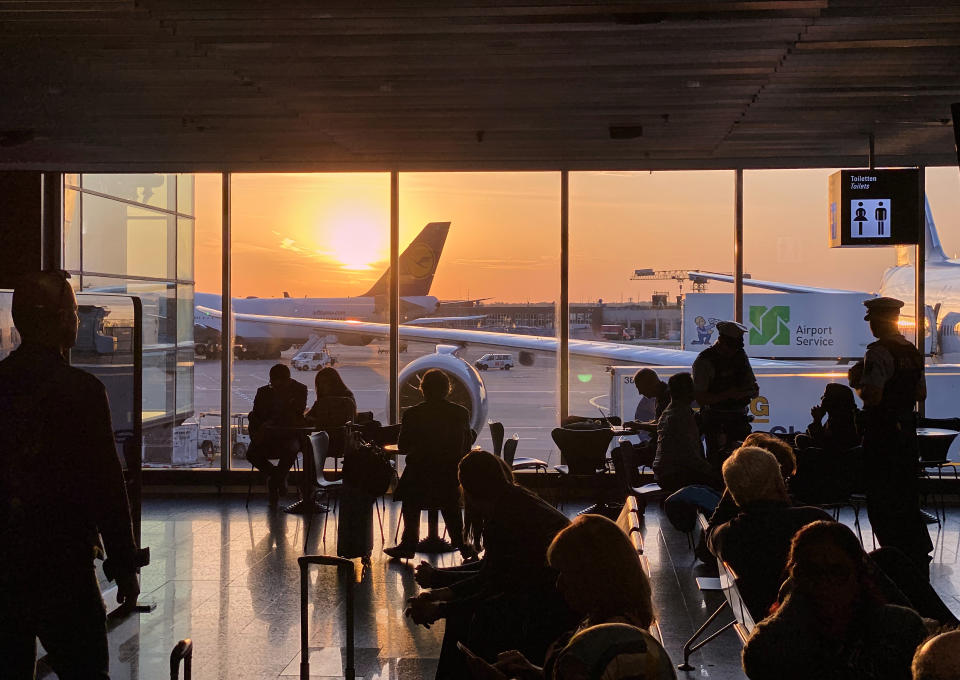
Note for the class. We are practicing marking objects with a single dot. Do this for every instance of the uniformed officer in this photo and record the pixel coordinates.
(891, 384)
(724, 384)
(61, 484)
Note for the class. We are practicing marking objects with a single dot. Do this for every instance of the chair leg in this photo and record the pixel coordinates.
(689, 647)
(376, 504)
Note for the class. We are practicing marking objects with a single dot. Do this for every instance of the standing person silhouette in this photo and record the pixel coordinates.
(61, 484)
(890, 387)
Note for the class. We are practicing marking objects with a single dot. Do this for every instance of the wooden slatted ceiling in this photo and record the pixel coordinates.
(489, 84)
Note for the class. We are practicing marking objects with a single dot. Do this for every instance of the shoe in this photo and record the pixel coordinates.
(401, 552)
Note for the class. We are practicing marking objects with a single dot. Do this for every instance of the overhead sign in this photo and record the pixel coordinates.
(782, 325)
(875, 208)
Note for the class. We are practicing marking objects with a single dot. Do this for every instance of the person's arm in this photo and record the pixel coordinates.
(877, 369)
(109, 498)
(300, 400)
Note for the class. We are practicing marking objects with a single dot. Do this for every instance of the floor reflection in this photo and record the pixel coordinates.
(227, 577)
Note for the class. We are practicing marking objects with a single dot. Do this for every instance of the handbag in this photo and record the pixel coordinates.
(365, 467)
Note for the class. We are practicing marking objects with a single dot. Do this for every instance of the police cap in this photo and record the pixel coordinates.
(882, 307)
(731, 329)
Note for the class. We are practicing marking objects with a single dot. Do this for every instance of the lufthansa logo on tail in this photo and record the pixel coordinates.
(419, 261)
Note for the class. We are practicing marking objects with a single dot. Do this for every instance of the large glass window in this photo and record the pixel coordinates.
(123, 234)
(498, 271)
(310, 246)
(634, 238)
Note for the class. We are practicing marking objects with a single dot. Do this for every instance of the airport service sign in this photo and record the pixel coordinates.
(875, 208)
(782, 325)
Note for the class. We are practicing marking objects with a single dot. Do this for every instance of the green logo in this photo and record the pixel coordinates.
(769, 324)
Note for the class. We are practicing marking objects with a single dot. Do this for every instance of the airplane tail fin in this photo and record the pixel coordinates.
(418, 263)
(934, 249)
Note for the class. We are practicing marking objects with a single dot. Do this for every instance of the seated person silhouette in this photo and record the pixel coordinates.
(654, 399)
(279, 404)
(680, 461)
(334, 407)
(840, 432)
(434, 435)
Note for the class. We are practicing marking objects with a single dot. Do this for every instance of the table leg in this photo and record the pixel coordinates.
(433, 543)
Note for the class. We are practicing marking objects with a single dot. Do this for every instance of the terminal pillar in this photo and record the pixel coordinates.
(21, 227)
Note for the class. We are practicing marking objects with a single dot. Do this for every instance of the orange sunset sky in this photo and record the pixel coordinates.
(328, 234)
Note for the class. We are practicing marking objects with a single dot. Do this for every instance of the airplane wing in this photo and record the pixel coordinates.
(608, 351)
(770, 285)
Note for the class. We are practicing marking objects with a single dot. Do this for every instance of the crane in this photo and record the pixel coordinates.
(678, 275)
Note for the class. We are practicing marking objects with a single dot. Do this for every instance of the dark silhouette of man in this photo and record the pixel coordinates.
(61, 485)
(891, 384)
(279, 404)
(435, 434)
(724, 384)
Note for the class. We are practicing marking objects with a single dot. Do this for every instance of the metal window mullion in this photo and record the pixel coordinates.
(563, 360)
(394, 296)
(226, 328)
(738, 245)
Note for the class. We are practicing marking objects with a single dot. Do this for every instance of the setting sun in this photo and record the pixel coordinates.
(353, 236)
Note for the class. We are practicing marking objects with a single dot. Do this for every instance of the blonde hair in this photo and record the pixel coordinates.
(780, 449)
(753, 474)
(597, 556)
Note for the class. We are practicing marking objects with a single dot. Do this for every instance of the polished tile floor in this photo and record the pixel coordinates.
(227, 577)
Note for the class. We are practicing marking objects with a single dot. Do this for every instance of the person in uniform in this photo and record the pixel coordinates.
(279, 404)
(891, 384)
(723, 385)
(61, 485)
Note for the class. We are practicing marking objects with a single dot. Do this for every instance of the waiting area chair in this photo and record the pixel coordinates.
(496, 436)
(626, 468)
(324, 490)
(584, 452)
(521, 463)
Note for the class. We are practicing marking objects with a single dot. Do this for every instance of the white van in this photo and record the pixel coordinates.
(501, 361)
(312, 361)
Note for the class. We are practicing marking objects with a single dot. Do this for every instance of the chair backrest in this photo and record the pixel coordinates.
(510, 450)
(496, 434)
(320, 443)
(583, 451)
(626, 467)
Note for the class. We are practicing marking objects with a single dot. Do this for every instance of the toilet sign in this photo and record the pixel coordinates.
(875, 208)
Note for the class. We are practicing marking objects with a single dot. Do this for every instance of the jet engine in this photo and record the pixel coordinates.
(466, 385)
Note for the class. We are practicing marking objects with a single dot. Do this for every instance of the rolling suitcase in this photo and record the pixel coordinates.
(355, 523)
(349, 672)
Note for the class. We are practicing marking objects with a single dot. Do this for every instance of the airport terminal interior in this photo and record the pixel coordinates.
(537, 199)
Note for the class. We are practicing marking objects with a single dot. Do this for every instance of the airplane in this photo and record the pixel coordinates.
(942, 289)
(418, 264)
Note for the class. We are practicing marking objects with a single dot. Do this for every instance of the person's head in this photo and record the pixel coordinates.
(883, 314)
(646, 382)
(600, 573)
(730, 336)
(612, 651)
(828, 565)
(279, 375)
(938, 658)
(753, 474)
(45, 310)
(780, 449)
(838, 400)
(483, 479)
(435, 384)
(328, 383)
(680, 386)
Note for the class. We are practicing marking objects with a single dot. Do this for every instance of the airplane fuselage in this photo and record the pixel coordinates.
(271, 338)
(941, 294)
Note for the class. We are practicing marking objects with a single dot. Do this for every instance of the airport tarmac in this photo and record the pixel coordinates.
(524, 398)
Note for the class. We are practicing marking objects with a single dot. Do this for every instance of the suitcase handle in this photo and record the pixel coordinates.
(349, 673)
(182, 652)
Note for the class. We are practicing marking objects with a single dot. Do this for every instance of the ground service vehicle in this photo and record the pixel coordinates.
(313, 361)
(501, 361)
(209, 434)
